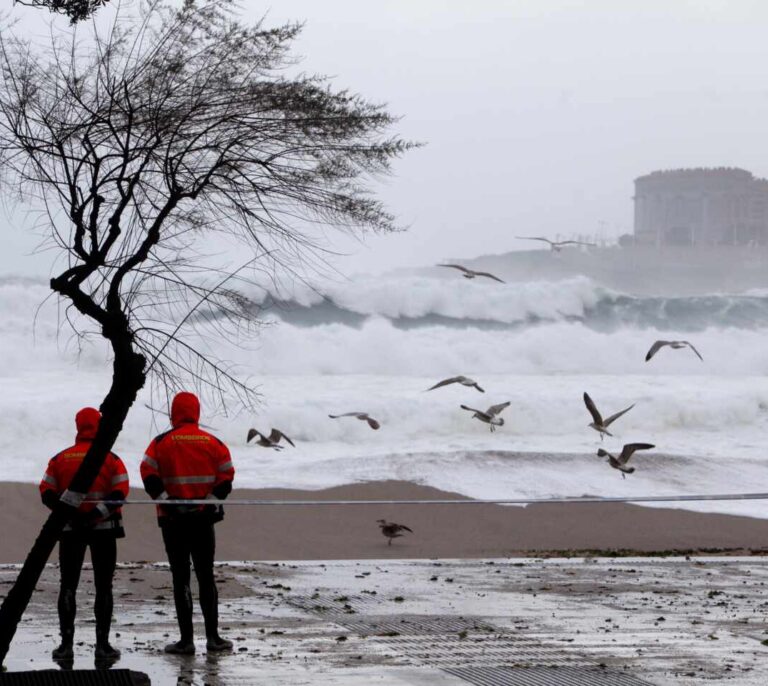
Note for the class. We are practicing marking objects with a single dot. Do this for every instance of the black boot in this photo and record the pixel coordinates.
(64, 651)
(102, 609)
(105, 651)
(105, 656)
(209, 604)
(181, 647)
(217, 644)
(67, 610)
(182, 598)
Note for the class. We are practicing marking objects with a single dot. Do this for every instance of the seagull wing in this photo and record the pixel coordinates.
(575, 243)
(596, 418)
(658, 345)
(629, 449)
(457, 266)
(534, 238)
(694, 350)
(490, 276)
(251, 434)
(346, 414)
(493, 410)
(614, 417)
(405, 528)
(471, 409)
(445, 382)
(477, 386)
(276, 435)
(372, 422)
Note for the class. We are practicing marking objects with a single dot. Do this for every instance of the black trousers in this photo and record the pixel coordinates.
(72, 547)
(192, 541)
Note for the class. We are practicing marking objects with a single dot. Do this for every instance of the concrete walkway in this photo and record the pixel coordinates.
(606, 621)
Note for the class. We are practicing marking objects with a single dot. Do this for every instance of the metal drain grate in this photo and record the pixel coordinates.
(484, 651)
(469, 648)
(416, 625)
(544, 676)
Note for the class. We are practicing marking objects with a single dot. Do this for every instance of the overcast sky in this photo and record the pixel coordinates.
(536, 114)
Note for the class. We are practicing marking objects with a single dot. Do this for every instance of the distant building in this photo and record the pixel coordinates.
(723, 206)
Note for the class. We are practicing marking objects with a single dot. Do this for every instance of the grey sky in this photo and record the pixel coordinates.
(537, 114)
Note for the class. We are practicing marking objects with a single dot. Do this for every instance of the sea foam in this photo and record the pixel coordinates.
(538, 346)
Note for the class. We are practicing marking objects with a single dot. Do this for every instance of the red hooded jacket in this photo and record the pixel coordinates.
(187, 462)
(111, 483)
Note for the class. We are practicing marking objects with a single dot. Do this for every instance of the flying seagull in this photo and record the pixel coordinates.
(271, 441)
(489, 416)
(358, 415)
(557, 246)
(463, 380)
(392, 530)
(471, 273)
(675, 345)
(627, 451)
(598, 423)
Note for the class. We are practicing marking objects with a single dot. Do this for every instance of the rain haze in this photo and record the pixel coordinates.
(450, 361)
(536, 118)
(536, 115)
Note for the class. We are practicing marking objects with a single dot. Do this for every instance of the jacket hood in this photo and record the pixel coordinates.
(185, 409)
(87, 422)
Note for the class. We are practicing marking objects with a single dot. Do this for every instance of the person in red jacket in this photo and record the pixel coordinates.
(94, 526)
(187, 463)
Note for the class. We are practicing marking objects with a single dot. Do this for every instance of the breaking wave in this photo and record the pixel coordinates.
(412, 302)
(377, 344)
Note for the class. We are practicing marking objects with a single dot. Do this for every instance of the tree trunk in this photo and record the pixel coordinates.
(127, 379)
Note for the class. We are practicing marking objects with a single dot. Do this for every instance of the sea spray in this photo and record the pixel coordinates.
(377, 345)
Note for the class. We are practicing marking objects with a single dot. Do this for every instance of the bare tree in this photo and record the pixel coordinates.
(76, 10)
(143, 142)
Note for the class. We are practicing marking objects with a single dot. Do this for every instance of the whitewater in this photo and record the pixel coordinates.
(376, 344)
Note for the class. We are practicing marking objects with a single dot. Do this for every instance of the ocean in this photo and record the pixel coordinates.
(375, 344)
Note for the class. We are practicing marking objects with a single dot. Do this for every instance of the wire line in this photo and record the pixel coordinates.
(454, 501)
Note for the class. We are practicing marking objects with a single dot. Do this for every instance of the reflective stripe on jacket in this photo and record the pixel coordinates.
(111, 477)
(190, 462)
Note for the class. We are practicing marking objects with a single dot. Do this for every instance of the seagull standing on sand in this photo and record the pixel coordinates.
(463, 380)
(392, 530)
(675, 345)
(489, 416)
(358, 415)
(598, 423)
(471, 273)
(271, 441)
(555, 246)
(627, 451)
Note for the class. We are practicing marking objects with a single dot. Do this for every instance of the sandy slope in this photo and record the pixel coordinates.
(315, 532)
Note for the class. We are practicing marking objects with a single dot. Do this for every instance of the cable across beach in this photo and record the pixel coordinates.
(466, 501)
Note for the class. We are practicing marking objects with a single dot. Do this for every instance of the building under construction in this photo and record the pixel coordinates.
(701, 207)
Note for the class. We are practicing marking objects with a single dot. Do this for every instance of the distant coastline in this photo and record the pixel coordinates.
(642, 270)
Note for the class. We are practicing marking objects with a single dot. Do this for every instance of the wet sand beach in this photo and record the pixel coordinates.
(317, 532)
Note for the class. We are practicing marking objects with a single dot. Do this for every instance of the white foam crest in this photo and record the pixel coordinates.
(458, 298)
(34, 333)
(701, 415)
(378, 347)
(716, 410)
(426, 437)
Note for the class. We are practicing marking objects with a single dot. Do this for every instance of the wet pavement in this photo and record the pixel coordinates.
(612, 621)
